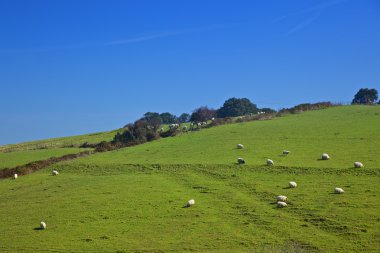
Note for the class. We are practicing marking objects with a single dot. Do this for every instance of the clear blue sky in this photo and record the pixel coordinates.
(74, 67)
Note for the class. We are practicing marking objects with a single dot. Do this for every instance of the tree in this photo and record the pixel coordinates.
(184, 117)
(267, 110)
(365, 96)
(202, 114)
(152, 119)
(234, 107)
(168, 118)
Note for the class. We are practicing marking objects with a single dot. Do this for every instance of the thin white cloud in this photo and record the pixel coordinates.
(168, 33)
(316, 9)
(303, 24)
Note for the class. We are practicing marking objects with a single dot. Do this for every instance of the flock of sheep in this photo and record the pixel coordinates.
(281, 199)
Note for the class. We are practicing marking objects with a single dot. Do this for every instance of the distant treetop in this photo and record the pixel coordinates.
(234, 107)
(365, 96)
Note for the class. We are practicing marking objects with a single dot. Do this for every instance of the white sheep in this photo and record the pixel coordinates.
(325, 156)
(281, 204)
(15, 176)
(54, 172)
(270, 162)
(240, 146)
(42, 225)
(358, 165)
(199, 124)
(285, 152)
(292, 184)
(212, 119)
(190, 203)
(338, 190)
(282, 198)
(184, 128)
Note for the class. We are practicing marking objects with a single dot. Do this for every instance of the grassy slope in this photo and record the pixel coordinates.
(62, 142)
(347, 134)
(102, 204)
(13, 159)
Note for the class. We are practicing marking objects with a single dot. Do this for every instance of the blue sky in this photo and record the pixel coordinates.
(74, 67)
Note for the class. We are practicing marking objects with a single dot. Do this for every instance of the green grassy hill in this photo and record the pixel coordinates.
(62, 142)
(13, 159)
(347, 134)
(131, 200)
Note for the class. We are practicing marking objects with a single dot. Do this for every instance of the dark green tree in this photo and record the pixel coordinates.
(234, 107)
(267, 110)
(184, 117)
(365, 96)
(168, 118)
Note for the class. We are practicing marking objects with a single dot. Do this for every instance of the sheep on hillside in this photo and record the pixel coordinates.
(285, 152)
(240, 160)
(358, 165)
(190, 203)
(54, 173)
(270, 162)
(42, 225)
(184, 128)
(240, 146)
(325, 156)
(15, 176)
(338, 190)
(281, 204)
(292, 184)
(282, 198)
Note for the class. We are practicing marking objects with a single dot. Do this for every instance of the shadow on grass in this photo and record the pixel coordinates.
(38, 228)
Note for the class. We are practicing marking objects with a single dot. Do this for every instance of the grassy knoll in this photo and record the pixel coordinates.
(131, 200)
(347, 134)
(70, 141)
(13, 159)
(134, 208)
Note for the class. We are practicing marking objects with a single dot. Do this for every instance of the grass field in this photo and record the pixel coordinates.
(63, 142)
(131, 200)
(347, 134)
(13, 159)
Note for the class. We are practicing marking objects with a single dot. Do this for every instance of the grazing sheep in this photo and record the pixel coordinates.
(54, 173)
(15, 176)
(292, 184)
(338, 190)
(358, 165)
(285, 152)
(42, 225)
(212, 119)
(199, 124)
(240, 160)
(281, 204)
(190, 203)
(282, 198)
(325, 156)
(240, 146)
(270, 162)
(184, 128)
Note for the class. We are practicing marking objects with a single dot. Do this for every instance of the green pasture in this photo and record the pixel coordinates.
(62, 142)
(347, 133)
(13, 159)
(135, 208)
(131, 200)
